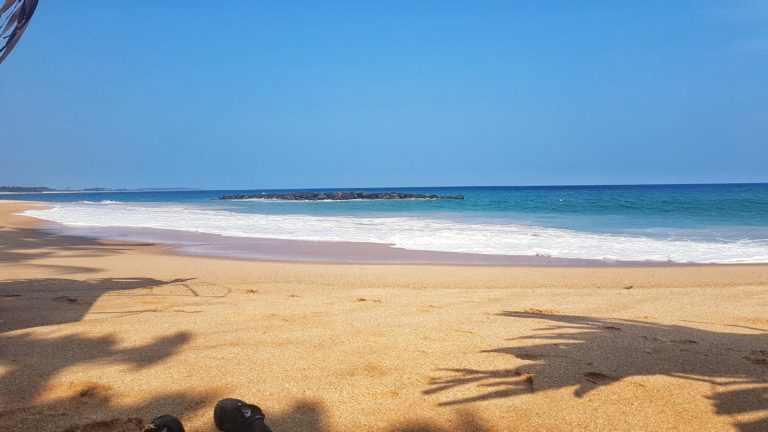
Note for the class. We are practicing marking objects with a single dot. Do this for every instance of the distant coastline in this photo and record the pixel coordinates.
(11, 190)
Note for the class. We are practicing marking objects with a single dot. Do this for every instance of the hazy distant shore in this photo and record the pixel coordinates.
(92, 191)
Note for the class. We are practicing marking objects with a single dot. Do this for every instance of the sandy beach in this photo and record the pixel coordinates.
(104, 335)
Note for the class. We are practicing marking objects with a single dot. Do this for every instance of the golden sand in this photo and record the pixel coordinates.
(101, 336)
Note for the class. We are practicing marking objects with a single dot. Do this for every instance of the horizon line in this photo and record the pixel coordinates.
(193, 189)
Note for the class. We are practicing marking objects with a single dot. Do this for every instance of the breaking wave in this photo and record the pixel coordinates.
(409, 232)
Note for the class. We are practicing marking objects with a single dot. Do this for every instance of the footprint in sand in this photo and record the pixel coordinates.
(65, 299)
(599, 378)
(83, 389)
(529, 356)
(684, 341)
(535, 311)
(674, 341)
(362, 299)
(758, 357)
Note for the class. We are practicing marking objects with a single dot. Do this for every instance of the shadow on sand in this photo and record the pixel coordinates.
(309, 416)
(30, 360)
(27, 303)
(24, 246)
(32, 400)
(587, 353)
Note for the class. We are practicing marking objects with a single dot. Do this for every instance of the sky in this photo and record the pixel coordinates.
(290, 94)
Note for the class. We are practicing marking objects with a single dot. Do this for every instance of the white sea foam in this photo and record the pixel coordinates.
(413, 233)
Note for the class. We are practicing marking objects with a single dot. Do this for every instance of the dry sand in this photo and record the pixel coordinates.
(99, 336)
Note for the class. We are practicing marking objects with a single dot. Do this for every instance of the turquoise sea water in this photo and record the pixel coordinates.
(686, 223)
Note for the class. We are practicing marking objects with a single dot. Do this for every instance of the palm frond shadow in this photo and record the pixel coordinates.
(30, 362)
(586, 353)
(27, 303)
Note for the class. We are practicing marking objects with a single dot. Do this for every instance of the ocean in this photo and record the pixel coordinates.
(713, 223)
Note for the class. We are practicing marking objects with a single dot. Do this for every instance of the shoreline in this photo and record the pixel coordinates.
(303, 251)
(326, 251)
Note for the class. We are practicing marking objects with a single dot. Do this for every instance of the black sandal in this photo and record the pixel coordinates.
(234, 415)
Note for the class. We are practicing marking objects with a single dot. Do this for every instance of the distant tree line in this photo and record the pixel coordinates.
(25, 189)
(30, 189)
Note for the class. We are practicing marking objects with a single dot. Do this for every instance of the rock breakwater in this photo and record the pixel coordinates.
(339, 196)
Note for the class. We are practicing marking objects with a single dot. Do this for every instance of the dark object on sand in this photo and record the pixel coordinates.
(164, 423)
(234, 415)
(340, 196)
(14, 17)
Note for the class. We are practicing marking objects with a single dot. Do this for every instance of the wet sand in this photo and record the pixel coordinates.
(101, 335)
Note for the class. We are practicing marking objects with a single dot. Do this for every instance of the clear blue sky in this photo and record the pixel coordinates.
(248, 94)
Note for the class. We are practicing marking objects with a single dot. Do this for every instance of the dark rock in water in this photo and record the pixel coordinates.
(340, 196)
